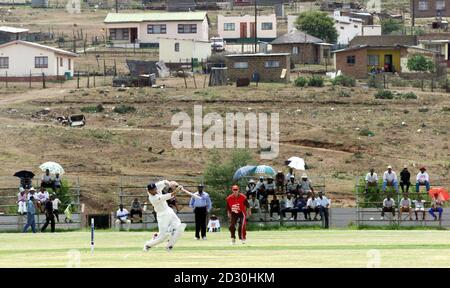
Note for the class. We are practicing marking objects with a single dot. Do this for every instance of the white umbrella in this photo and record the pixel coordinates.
(53, 167)
(296, 163)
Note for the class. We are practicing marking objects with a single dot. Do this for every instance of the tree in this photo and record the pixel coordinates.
(391, 25)
(420, 64)
(317, 24)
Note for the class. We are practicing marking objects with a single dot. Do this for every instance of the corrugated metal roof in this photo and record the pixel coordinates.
(144, 17)
(295, 37)
(13, 30)
(39, 46)
(258, 55)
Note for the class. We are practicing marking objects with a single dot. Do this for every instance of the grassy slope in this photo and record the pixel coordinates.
(335, 248)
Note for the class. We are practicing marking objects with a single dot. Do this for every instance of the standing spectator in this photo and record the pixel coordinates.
(26, 183)
(55, 202)
(68, 214)
(274, 206)
(270, 186)
(305, 185)
(419, 206)
(213, 224)
(405, 180)
(405, 206)
(422, 179)
(122, 218)
(136, 209)
(288, 206)
(46, 180)
(300, 205)
(57, 182)
(22, 201)
(49, 217)
(390, 179)
(251, 188)
(388, 206)
(280, 181)
(31, 211)
(237, 209)
(292, 186)
(201, 209)
(436, 206)
(290, 173)
(371, 180)
(311, 204)
(254, 205)
(324, 206)
(42, 197)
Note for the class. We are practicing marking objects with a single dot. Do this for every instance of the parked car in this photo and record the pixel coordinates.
(218, 44)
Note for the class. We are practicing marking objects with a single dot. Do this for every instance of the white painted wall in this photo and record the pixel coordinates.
(371, 30)
(171, 31)
(21, 61)
(347, 28)
(236, 34)
(188, 49)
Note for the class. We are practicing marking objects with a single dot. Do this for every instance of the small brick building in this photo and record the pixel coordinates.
(430, 8)
(269, 66)
(304, 48)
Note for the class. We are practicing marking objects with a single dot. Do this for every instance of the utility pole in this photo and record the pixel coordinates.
(256, 26)
(413, 13)
(117, 6)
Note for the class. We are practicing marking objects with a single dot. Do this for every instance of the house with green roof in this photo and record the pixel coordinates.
(144, 29)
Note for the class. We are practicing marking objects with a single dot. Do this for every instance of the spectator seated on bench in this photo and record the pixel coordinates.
(371, 180)
(405, 206)
(292, 186)
(42, 197)
(305, 185)
(405, 179)
(390, 179)
(388, 206)
(280, 181)
(311, 205)
(274, 207)
(419, 207)
(22, 201)
(122, 218)
(250, 189)
(300, 205)
(436, 206)
(287, 205)
(46, 180)
(422, 179)
(57, 182)
(25, 183)
(270, 186)
(255, 206)
(136, 209)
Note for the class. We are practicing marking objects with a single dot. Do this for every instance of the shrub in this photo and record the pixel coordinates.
(384, 94)
(446, 109)
(315, 81)
(92, 109)
(407, 95)
(301, 82)
(366, 132)
(122, 109)
(343, 93)
(344, 80)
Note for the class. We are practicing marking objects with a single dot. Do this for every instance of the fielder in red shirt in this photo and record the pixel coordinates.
(237, 208)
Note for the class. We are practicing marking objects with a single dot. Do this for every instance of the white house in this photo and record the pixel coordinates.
(348, 28)
(144, 29)
(239, 28)
(172, 50)
(20, 58)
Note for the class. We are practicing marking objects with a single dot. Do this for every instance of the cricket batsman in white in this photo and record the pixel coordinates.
(169, 225)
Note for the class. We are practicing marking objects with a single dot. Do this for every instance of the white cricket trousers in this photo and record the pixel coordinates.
(169, 225)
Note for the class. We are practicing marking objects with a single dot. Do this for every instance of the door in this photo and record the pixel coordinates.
(252, 30)
(388, 63)
(243, 27)
(133, 35)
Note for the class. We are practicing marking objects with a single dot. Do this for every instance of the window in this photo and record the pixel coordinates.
(342, 27)
(272, 64)
(187, 28)
(177, 47)
(157, 29)
(41, 62)
(295, 50)
(373, 60)
(119, 33)
(4, 62)
(266, 26)
(423, 5)
(440, 5)
(241, 65)
(351, 59)
(228, 27)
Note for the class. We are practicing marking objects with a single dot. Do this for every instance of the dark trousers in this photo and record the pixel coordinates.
(403, 185)
(30, 223)
(235, 218)
(56, 213)
(315, 210)
(324, 215)
(200, 221)
(274, 208)
(292, 210)
(50, 218)
(388, 209)
(135, 212)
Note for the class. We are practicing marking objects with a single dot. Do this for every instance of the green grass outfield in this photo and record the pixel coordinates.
(291, 248)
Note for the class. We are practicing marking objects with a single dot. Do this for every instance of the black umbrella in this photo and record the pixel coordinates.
(24, 174)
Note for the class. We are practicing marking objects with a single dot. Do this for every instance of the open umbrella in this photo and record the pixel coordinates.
(24, 174)
(243, 171)
(53, 167)
(264, 169)
(439, 192)
(296, 163)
